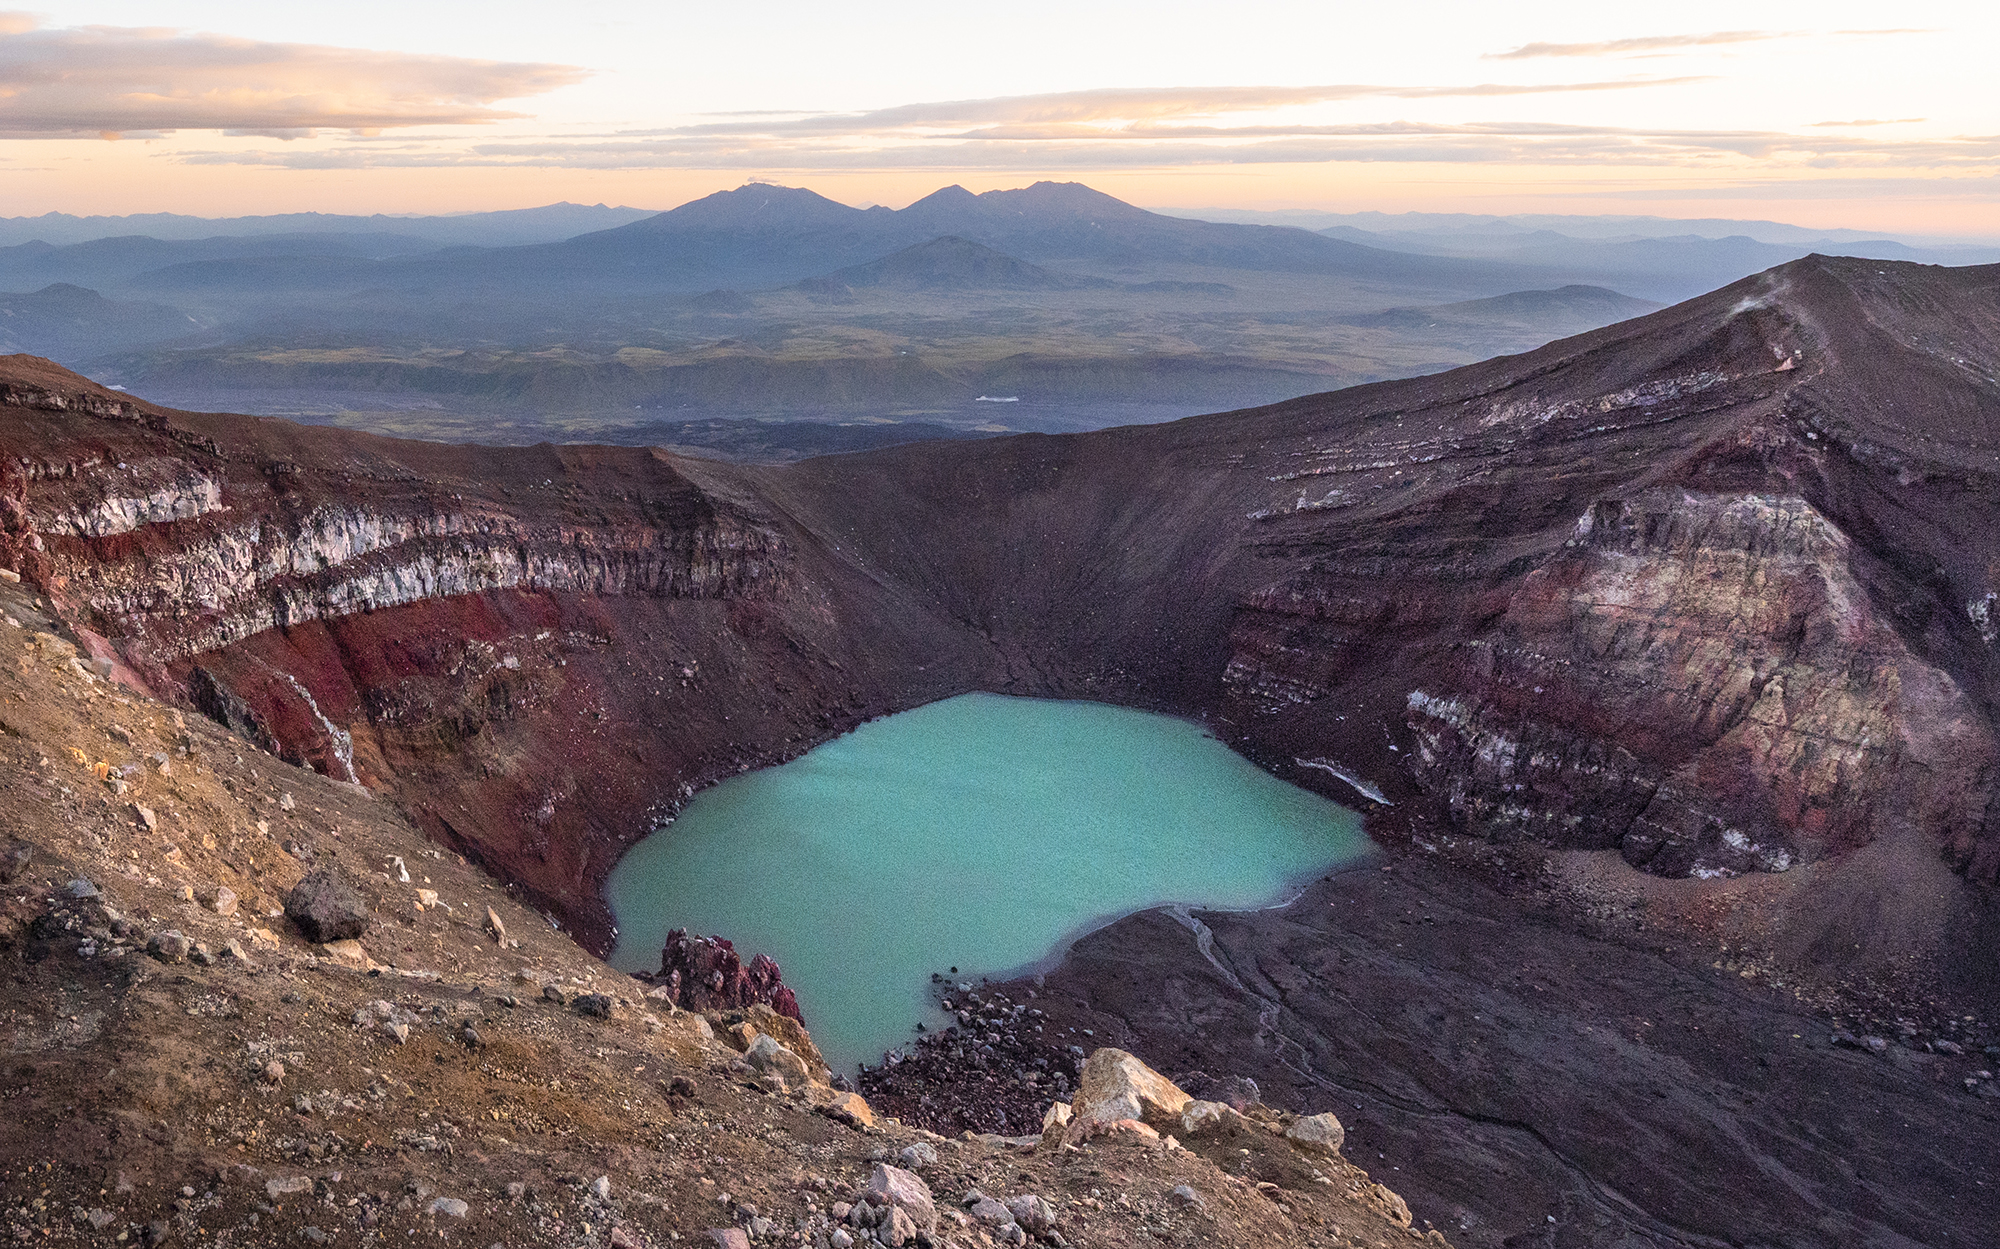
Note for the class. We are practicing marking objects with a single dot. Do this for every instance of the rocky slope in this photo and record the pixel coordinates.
(1698, 609)
(183, 1066)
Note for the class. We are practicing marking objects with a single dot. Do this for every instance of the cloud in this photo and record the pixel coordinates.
(1870, 121)
(1019, 147)
(112, 81)
(1124, 104)
(1646, 43)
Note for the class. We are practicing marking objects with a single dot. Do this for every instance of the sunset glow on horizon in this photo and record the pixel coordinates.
(225, 109)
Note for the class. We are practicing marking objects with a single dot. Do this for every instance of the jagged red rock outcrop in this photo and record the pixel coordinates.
(706, 973)
(1714, 589)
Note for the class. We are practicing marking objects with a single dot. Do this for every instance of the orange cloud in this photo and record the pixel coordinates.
(111, 81)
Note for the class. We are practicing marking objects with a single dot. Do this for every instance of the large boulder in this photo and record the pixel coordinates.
(1116, 1086)
(766, 1055)
(905, 1191)
(1319, 1134)
(327, 908)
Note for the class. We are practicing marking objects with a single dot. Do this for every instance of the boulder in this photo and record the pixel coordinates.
(852, 1109)
(906, 1192)
(1032, 1212)
(169, 946)
(1055, 1118)
(1207, 1118)
(1319, 1134)
(990, 1212)
(326, 908)
(1115, 1086)
(768, 1056)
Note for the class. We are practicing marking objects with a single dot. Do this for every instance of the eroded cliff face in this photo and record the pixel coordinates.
(1713, 590)
(537, 653)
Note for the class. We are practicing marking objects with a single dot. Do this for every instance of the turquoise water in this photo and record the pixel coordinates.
(981, 832)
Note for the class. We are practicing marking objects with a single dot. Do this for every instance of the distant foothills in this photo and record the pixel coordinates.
(770, 322)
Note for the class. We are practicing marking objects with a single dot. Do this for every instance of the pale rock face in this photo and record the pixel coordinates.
(1318, 1134)
(1115, 1085)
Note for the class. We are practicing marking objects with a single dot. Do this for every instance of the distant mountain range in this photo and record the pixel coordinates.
(506, 228)
(777, 304)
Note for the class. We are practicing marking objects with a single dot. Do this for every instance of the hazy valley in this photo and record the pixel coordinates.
(725, 324)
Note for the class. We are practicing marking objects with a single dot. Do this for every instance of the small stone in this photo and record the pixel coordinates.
(399, 1031)
(1185, 1196)
(287, 1186)
(80, 890)
(450, 1207)
(315, 1235)
(169, 946)
(222, 901)
(273, 1073)
(14, 860)
(1056, 1117)
(427, 898)
(920, 1154)
(728, 1238)
(327, 908)
(496, 927)
(100, 1218)
(898, 1229)
(552, 993)
(760, 1227)
(600, 1188)
(594, 1005)
(841, 1239)
(1320, 1134)
(516, 1190)
(285, 802)
(146, 818)
(623, 1237)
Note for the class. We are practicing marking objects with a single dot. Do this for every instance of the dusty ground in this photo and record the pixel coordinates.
(256, 1094)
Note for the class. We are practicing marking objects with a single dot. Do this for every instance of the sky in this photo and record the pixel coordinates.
(1836, 114)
